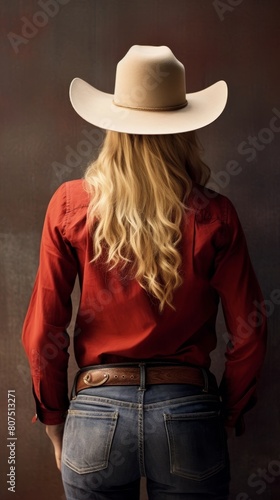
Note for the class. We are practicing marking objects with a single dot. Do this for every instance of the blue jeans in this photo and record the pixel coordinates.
(172, 434)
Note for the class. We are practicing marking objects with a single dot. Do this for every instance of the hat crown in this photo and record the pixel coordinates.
(150, 78)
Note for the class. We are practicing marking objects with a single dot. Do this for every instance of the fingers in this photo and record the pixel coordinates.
(58, 460)
(55, 433)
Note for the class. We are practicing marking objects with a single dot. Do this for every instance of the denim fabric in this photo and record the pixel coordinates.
(172, 434)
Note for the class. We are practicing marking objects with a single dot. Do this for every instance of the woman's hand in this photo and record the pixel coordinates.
(55, 433)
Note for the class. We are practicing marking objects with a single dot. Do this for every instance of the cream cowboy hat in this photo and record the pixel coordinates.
(150, 96)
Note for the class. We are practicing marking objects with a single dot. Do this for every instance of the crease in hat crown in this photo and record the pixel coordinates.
(150, 78)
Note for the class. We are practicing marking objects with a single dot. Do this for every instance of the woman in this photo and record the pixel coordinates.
(154, 251)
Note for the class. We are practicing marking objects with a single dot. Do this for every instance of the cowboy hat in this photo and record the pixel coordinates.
(150, 96)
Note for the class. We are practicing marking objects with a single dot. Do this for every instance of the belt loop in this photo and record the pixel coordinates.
(142, 386)
(74, 392)
(206, 380)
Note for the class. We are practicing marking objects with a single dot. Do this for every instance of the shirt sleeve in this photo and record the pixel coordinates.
(44, 335)
(245, 318)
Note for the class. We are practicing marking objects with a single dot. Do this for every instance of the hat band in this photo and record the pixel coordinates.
(146, 108)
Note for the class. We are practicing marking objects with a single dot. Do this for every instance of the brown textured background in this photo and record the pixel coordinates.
(235, 40)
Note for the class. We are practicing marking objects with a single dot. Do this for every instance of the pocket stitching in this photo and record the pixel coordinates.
(175, 469)
(112, 417)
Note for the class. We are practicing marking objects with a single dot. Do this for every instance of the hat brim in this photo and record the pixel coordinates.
(98, 108)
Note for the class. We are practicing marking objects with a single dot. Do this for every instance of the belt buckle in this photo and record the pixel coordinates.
(88, 381)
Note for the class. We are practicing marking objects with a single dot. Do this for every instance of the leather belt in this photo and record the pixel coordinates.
(131, 375)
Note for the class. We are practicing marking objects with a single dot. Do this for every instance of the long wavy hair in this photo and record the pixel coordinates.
(139, 186)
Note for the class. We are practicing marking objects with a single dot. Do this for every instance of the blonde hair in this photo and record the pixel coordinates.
(139, 187)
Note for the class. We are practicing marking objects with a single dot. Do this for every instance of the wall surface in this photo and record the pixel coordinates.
(46, 43)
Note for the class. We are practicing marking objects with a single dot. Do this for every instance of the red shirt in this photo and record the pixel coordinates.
(118, 321)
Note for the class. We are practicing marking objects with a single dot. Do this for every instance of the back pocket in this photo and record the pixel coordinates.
(197, 444)
(87, 440)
